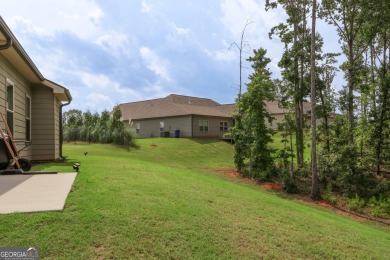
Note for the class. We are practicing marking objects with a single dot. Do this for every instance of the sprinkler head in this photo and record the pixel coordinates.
(76, 167)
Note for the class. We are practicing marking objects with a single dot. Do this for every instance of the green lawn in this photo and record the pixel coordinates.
(278, 144)
(166, 200)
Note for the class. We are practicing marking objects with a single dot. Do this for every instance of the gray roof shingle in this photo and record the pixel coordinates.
(179, 105)
(173, 105)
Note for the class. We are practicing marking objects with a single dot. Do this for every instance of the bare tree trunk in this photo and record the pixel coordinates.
(383, 109)
(298, 117)
(315, 188)
(351, 87)
(301, 88)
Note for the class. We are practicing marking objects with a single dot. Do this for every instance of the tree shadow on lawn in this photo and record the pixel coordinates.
(206, 140)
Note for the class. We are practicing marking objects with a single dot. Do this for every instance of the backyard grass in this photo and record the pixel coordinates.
(166, 200)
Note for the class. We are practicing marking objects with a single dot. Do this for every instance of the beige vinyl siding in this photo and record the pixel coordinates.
(2, 91)
(278, 118)
(213, 129)
(151, 127)
(57, 105)
(43, 129)
(21, 87)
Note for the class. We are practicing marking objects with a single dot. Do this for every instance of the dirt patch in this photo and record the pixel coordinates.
(230, 172)
(153, 145)
(100, 248)
(324, 204)
(268, 185)
(272, 186)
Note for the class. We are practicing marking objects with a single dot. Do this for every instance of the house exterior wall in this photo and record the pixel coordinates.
(188, 126)
(151, 127)
(57, 108)
(213, 126)
(278, 118)
(21, 88)
(43, 134)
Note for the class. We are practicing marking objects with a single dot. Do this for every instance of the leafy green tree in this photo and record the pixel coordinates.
(295, 62)
(72, 123)
(315, 188)
(326, 104)
(348, 16)
(105, 128)
(377, 37)
(253, 136)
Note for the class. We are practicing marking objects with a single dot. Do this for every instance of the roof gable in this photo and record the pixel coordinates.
(172, 105)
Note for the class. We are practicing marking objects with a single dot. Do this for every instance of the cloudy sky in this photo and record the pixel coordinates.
(110, 52)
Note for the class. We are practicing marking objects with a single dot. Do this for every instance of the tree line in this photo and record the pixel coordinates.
(349, 129)
(94, 128)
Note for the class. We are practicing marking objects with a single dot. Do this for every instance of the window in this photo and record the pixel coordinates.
(28, 118)
(223, 126)
(162, 126)
(137, 127)
(10, 106)
(203, 125)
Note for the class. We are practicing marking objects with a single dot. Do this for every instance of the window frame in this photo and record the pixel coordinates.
(162, 126)
(9, 111)
(137, 127)
(223, 126)
(204, 125)
(28, 118)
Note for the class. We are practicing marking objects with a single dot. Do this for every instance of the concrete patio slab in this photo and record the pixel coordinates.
(32, 193)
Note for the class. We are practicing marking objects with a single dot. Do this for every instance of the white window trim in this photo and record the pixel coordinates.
(202, 125)
(10, 83)
(162, 126)
(222, 124)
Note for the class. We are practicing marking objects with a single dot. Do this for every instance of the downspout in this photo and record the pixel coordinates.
(61, 126)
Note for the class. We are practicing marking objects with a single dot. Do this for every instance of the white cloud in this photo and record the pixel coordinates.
(221, 55)
(98, 101)
(180, 38)
(116, 43)
(155, 63)
(237, 12)
(102, 82)
(51, 17)
(95, 16)
(146, 8)
(26, 28)
(182, 31)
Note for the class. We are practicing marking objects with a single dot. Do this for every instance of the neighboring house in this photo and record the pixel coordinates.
(278, 113)
(31, 104)
(194, 117)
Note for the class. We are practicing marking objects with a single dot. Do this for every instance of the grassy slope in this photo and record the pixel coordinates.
(165, 200)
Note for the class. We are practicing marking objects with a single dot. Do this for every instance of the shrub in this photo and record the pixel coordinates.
(380, 207)
(356, 203)
(288, 182)
(98, 129)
